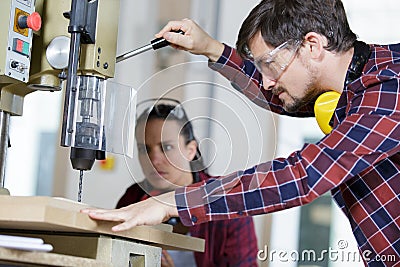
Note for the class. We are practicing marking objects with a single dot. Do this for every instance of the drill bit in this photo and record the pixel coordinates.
(80, 186)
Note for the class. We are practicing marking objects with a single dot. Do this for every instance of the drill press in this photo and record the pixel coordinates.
(76, 44)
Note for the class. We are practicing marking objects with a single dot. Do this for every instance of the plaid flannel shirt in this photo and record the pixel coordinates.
(359, 161)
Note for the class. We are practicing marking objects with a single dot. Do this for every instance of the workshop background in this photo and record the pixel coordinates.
(233, 132)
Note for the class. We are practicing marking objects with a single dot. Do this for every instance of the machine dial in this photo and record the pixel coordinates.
(57, 52)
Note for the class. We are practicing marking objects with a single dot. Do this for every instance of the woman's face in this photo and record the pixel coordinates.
(164, 155)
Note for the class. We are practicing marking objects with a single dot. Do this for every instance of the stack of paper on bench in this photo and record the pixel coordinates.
(24, 243)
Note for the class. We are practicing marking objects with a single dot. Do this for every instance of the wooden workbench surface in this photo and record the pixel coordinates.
(62, 215)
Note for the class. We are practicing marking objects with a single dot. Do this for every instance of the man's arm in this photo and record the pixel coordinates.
(271, 186)
(349, 150)
(358, 143)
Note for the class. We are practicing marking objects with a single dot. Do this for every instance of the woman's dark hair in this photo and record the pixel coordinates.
(178, 114)
(283, 20)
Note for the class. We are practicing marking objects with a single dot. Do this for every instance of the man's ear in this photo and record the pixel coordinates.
(191, 149)
(314, 44)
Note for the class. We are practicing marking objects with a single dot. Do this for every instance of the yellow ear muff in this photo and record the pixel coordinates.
(324, 107)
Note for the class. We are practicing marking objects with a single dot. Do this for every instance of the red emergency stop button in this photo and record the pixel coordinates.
(32, 21)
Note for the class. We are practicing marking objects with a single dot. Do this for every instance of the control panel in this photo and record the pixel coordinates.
(15, 54)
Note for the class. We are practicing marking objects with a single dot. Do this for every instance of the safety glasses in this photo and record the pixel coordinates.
(272, 64)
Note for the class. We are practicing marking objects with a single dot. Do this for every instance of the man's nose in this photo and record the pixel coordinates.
(268, 84)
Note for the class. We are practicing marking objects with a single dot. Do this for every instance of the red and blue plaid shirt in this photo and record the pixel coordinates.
(359, 161)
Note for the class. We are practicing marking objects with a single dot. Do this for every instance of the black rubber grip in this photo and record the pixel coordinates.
(161, 42)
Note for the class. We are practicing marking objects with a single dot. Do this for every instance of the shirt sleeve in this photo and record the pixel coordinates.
(245, 78)
(366, 136)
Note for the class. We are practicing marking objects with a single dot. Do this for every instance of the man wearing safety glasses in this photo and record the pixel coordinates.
(289, 53)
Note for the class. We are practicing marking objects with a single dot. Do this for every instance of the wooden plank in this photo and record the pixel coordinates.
(58, 214)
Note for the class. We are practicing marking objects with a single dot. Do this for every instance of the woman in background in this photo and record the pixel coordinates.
(169, 158)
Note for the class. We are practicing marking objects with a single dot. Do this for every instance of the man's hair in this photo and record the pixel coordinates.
(283, 20)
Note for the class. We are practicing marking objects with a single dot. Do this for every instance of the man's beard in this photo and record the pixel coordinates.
(309, 97)
(311, 94)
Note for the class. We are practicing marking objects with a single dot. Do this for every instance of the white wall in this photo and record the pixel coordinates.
(41, 114)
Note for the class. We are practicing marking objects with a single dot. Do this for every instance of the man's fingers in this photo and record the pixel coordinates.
(91, 210)
(147, 212)
(128, 224)
(178, 39)
(120, 215)
(107, 216)
(123, 226)
(171, 26)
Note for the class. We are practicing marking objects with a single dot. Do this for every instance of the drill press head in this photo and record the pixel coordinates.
(87, 122)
